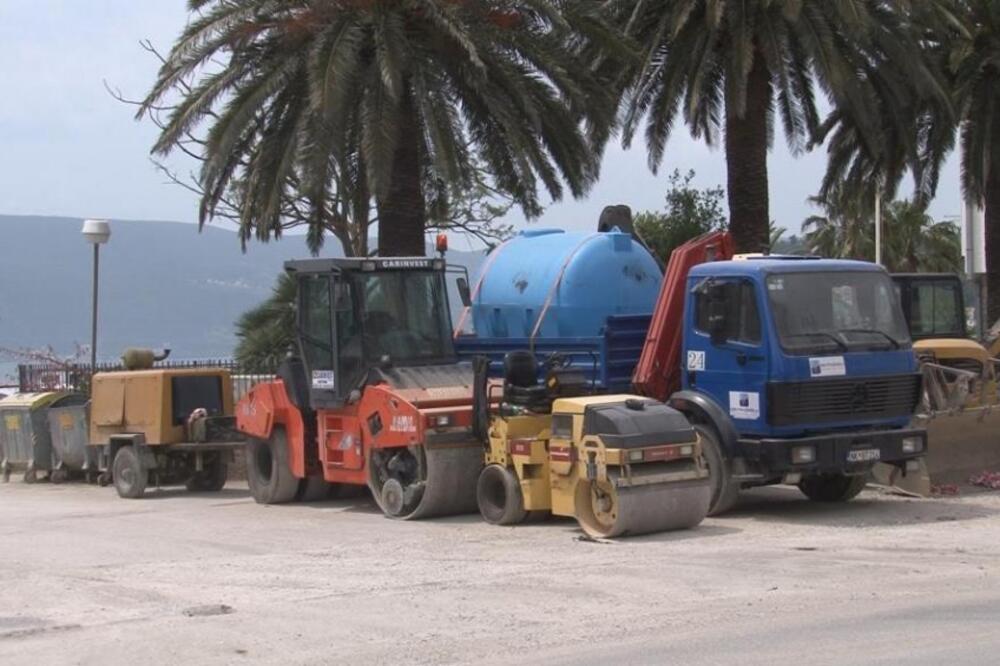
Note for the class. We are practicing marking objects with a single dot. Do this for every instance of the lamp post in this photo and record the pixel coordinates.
(97, 233)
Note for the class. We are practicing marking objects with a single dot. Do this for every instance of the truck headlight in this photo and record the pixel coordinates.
(913, 444)
(635, 456)
(803, 455)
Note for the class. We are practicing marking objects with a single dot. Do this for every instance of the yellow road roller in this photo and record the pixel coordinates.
(620, 464)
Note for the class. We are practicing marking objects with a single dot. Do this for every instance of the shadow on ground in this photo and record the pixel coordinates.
(871, 509)
(173, 492)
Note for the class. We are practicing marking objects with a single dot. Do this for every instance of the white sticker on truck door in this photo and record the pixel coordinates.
(827, 366)
(744, 406)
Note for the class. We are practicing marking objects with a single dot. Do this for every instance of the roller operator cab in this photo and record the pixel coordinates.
(373, 394)
(806, 370)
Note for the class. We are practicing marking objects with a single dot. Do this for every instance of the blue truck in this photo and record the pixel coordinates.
(793, 370)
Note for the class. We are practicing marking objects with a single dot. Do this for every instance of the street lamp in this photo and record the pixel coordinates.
(97, 233)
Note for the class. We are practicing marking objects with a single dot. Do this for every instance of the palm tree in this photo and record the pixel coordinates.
(913, 240)
(911, 129)
(734, 66)
(963, 37)
(388, 100)
(265, 333)
(845, 230)
(977, 92)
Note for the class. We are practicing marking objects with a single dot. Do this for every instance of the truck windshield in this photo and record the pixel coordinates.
(830, 312)
(400, 314)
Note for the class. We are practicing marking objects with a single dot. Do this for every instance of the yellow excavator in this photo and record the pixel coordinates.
(620, 464)
(961, 401)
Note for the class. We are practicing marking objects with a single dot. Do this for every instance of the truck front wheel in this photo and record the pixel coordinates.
(725, 491)
(268, 472)
(832, 487)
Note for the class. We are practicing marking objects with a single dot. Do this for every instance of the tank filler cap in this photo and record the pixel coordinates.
(635, 404)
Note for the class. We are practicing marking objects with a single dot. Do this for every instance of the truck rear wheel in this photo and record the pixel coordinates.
(268, 473)
(832, 487)
(498, 494)
(725, 491)
(211, 479)
(128, 473)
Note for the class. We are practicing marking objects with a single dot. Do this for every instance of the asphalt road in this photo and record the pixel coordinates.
(89, 578)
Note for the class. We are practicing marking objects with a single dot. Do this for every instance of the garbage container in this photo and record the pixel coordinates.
(69, 425)
(24, 434)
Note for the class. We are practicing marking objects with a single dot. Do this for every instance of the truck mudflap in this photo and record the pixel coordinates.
(843, 452)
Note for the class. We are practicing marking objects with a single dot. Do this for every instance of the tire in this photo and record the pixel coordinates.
(832, 487)
(128, 474)
(498, 494)
(58, 476)
(268, 473)
(30, 476)
(211, 479)
(725, 491)
(313, 489)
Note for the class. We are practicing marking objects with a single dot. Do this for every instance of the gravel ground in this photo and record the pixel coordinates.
(89, 578)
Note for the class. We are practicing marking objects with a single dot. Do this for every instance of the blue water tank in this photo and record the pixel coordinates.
(584, 276)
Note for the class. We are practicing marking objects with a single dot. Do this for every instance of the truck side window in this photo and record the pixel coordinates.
(742, 315)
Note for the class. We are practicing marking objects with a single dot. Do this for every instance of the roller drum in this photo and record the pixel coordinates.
(448, 488)
(642, 509)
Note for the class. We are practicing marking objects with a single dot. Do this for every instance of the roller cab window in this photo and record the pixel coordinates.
(402, 316)
(936, 309)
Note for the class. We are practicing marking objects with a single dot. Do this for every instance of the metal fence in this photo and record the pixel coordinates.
(35, 377)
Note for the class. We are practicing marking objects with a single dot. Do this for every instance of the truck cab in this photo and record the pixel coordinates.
(809, 360)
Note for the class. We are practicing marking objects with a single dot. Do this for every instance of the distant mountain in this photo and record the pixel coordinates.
(162, 284)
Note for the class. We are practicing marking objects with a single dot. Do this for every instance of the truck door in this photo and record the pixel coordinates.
(724, 348)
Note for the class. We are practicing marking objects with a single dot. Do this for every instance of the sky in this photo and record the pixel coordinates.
(68, 148)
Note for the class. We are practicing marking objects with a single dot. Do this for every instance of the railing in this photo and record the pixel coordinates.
(36, 377)
(949, 390)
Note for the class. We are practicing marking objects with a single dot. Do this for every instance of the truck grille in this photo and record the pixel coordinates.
(832, 400)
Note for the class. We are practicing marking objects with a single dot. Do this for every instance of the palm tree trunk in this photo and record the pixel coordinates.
(401, 215)
(992, 224)
(746, 160)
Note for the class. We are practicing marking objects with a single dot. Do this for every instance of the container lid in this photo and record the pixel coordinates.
(31, 400)
(69, 400)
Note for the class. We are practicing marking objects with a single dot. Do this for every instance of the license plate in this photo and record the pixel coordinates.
(864, 455)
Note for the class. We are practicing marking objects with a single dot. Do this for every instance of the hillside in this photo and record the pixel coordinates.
(162, 284)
